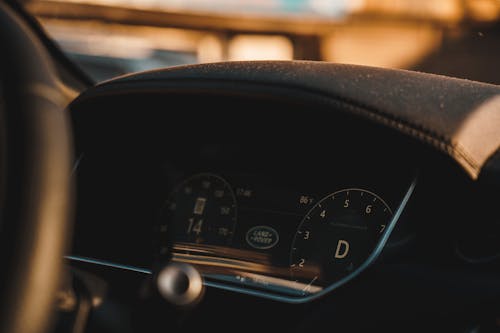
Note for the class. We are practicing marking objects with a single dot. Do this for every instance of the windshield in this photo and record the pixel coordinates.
(107, 38)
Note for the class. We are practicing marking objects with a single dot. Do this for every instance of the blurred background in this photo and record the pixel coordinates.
(108, 38)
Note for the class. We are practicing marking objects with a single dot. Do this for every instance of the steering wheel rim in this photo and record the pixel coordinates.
(35, 179)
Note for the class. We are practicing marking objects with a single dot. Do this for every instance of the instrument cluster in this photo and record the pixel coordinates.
(288, 222)
(281, 237)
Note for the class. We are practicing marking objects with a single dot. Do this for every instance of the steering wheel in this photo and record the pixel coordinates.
(35, 179)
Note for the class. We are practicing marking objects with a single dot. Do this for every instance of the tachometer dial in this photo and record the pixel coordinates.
(201, 210)
(337, 235)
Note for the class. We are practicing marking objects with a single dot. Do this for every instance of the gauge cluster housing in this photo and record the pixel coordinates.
(127, 179)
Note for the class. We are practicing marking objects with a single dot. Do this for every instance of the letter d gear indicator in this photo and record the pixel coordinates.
(337, 235)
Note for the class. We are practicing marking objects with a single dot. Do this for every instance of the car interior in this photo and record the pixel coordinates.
(185, 192)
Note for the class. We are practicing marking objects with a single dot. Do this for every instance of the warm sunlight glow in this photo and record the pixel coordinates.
(484, 10)
(450, 10)
(210, 49)
(256, 47)
(383, 45)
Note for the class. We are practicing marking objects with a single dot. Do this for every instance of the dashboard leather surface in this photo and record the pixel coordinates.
(458, 117)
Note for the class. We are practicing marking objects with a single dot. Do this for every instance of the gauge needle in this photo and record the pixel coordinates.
(310, 284)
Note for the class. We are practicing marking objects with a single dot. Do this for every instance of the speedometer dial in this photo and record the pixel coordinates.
(337, 235)
(201, 210)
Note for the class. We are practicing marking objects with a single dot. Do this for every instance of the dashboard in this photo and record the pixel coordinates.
(286, 206)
